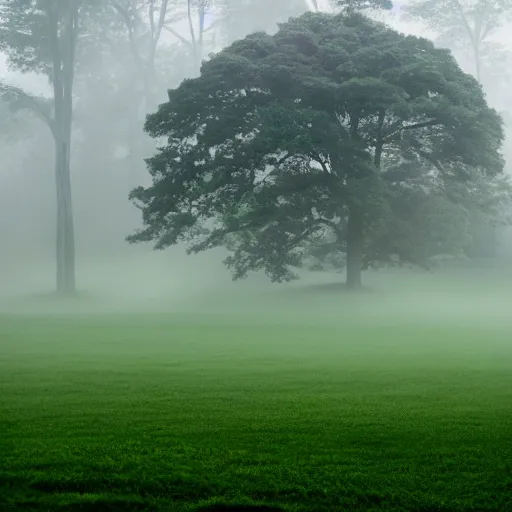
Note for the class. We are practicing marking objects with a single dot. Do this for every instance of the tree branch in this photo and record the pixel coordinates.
(320, 160)
(487, 30)
(299, 238)
(131, 35)
(429, 158)
(210, 27)
(16, 93)
(465, 21)
(161, 20)
(379, 145)
(423, 124)
(191, 27)
(176, 34)
(151, 15)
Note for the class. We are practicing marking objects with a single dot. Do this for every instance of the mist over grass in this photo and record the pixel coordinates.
(164, 386)
(300, 395)
(144, 282)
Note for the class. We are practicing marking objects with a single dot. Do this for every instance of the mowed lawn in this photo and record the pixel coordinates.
(170, 413)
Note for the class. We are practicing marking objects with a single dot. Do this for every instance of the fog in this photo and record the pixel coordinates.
(113, 276)
(135, 379)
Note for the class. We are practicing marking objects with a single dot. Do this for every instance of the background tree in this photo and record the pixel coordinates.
(237, 18)
(132, 31)
(110, 144)
(319, 128)
(23, 187)
(42, 36)
(351, 6)
(465, 26)
(149, 41)
(143, 22)
(468, 28)
(199, 16)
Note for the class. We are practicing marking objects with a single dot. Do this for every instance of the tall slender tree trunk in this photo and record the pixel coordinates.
(355, 237)
(476, 54)
(197, 39)
(64, 27)
(65, 226)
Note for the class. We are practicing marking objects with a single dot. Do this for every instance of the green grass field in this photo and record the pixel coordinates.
(172, 412)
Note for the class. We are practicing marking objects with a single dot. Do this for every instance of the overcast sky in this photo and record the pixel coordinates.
(39, 85)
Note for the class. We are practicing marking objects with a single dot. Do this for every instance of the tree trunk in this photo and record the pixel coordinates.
(484, 237)
(476, 53)
(64, 38)
(65, 227)
(354, 248)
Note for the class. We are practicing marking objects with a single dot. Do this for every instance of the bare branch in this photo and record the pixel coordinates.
(178, 35)
(131, 32)
(191, 27)
(215, 24)
(161, 20)
(465, 21)
(151, 15)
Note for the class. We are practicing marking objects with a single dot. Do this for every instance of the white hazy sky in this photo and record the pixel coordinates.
(39, 85)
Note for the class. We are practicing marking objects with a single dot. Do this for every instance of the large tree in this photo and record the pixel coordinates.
(42, 36)
(322, 128)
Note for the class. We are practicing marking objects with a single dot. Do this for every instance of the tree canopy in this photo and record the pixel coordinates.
(337, 128)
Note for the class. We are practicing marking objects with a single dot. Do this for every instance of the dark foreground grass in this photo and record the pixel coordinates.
(164, 414)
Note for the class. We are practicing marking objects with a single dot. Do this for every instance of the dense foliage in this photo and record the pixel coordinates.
(335, 129)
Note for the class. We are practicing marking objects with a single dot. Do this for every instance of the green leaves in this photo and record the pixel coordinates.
(281, 135)
(24, 35)
(26, 28)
